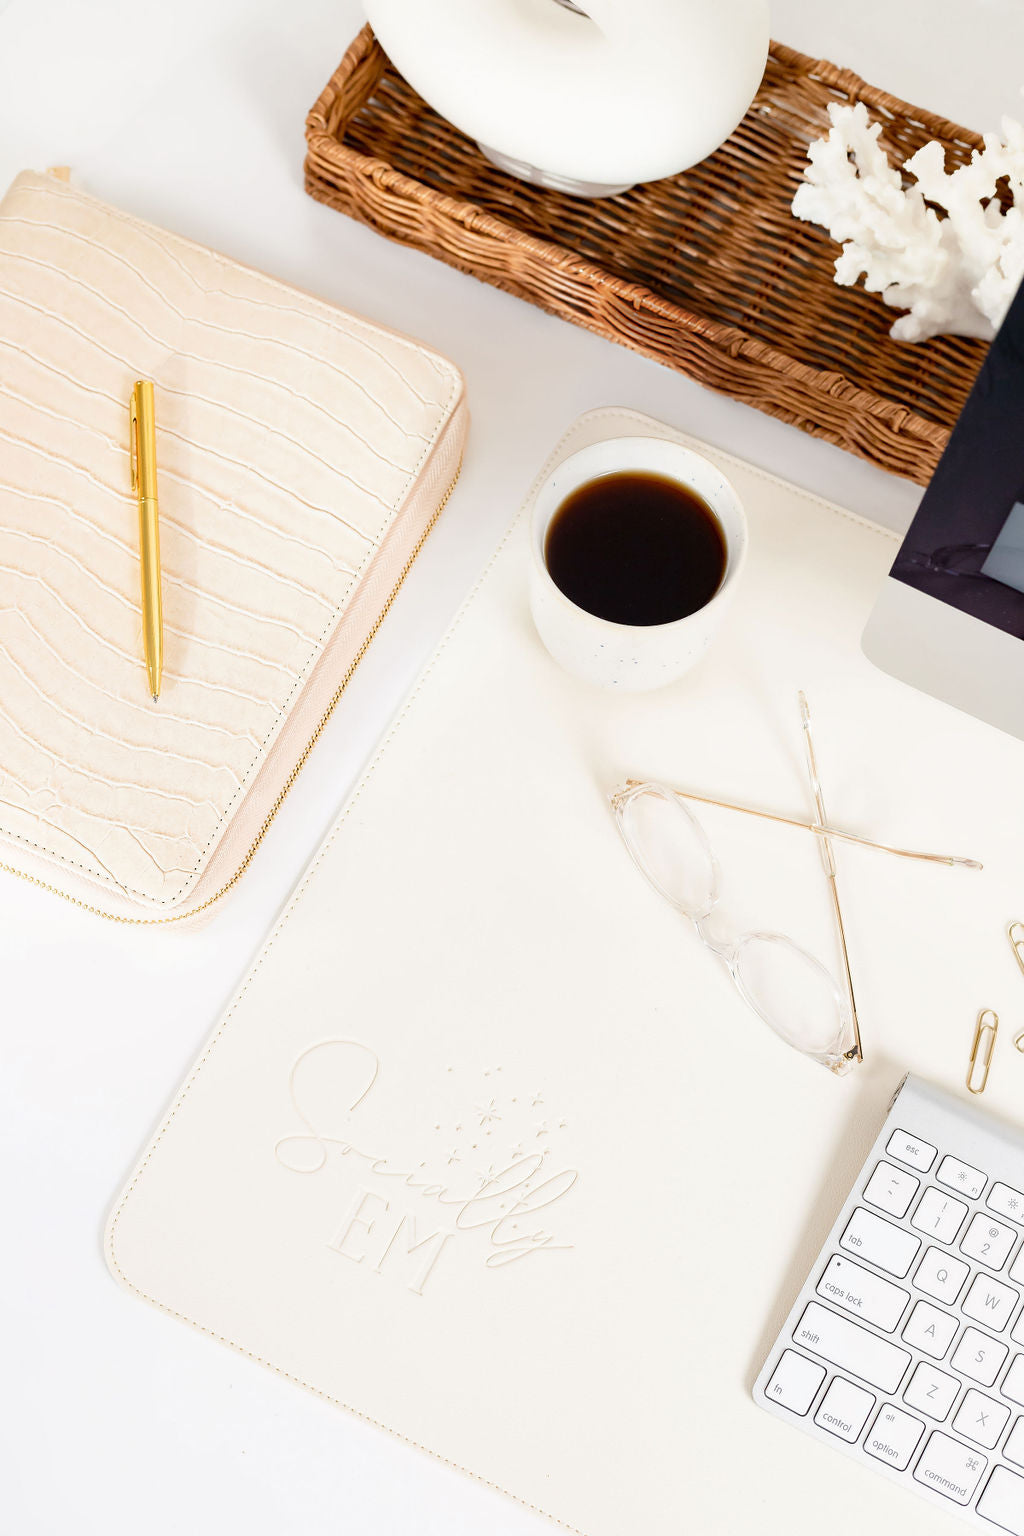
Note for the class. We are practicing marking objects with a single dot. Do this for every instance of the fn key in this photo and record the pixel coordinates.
(794, 1382)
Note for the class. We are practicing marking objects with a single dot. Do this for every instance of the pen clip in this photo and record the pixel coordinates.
(133, 437)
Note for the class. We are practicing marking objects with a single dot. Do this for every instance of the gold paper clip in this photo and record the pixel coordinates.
(1015, 934)
(983, 1045)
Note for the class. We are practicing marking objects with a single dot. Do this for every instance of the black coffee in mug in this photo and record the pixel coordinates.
(636, 548)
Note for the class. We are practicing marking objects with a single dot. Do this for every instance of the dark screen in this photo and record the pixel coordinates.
(966, 543)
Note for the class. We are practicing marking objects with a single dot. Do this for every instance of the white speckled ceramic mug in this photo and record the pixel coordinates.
(626, 656)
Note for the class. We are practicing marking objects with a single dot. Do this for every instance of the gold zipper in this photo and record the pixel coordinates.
(180, 917)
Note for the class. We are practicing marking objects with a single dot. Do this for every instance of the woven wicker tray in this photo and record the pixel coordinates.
(707, 272)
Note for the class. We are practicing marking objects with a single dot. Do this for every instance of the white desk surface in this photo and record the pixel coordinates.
(113, 1418)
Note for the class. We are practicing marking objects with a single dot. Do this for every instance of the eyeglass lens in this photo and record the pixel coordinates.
(787, 987)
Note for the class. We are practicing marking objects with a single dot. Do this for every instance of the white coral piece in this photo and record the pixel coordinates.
(956, 274)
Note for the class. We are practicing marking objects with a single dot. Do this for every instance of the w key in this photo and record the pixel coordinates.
(990, 1302)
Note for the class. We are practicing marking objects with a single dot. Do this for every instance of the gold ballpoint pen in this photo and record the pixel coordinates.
(142, 448)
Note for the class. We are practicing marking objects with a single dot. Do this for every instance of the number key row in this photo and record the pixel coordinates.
(941, 1216)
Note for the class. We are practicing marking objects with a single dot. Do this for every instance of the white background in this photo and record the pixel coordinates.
(191, 113)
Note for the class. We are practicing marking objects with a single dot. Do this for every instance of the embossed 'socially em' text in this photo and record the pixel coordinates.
(503, 1202)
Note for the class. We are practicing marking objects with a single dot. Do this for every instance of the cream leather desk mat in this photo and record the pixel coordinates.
(488, 1149)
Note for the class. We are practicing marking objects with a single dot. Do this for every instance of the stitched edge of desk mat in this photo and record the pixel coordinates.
(612, 415)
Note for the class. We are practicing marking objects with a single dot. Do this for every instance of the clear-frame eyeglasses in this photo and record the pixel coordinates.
(787, 987)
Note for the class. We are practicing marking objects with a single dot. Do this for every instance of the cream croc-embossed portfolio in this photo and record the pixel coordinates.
(488, 1147)
(302, 457)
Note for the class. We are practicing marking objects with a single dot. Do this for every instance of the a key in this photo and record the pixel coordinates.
(962, 1177)
(1006, 1201)
(857, 1290)
(931, 1391)
(950, 1468)
(891, 1189)
(939, 1215)
(980, 1418)
(941, 1276)
(893, 1436)
(911, 1149)
(979, 1357)
(929, 1330)
(794, 1381)
(1003, 1501)
(851, 1347)
(880, 1243)
(844, 1409)
(990, 1302)
(988, 1241)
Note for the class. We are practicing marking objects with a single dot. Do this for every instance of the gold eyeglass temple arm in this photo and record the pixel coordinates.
(856, 1053)
(951, 859)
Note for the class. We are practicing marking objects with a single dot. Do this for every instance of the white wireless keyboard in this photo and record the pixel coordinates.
(905, 1348)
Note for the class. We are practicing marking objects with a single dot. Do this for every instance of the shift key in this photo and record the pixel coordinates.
(851, 1347)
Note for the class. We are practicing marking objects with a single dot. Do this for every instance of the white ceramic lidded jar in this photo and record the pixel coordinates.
(589, 97)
